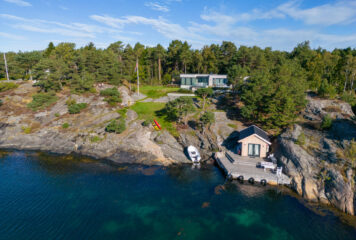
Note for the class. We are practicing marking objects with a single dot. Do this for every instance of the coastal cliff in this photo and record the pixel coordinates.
(22, 128)
(318, 165)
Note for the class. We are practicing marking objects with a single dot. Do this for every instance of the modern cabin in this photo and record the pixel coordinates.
(195, 81)
(253, 142)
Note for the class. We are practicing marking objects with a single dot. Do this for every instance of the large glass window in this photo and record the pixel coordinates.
(254, 150)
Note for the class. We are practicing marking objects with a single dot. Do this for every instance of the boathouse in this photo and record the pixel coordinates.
(253, 142)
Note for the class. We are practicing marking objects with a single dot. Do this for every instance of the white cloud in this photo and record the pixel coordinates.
(161, 25)
(20, 3)
(54, 27)
(157, 6)
(11, 36)
(342, 12)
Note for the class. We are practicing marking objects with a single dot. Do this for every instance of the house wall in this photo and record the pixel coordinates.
(254, 140)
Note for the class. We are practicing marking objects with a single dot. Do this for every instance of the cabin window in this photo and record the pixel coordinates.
(254, 150)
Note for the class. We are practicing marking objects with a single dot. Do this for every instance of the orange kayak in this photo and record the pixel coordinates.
(157, 124)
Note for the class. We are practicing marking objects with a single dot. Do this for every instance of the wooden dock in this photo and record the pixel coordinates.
(245, 168)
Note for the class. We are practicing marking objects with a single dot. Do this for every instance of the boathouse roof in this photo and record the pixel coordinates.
(251, 130)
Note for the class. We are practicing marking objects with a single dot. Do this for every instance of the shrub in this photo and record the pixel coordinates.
(70, 101)
(301, 139)
(349, 98)
(116, 126)
(122, 112)
(56, 114)
(112, 96)
(65, 125)
(95, 139)
(167, 78)
(147, 122)
(182, 90)
(327, 90)
(4, 86)
(327, 122)
(42, 100)
(76, 108)
(108, 92)
(26, 130)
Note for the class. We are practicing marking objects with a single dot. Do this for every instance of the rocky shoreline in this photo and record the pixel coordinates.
(317, 168)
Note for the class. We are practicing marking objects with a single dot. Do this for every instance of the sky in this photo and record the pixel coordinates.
(27, 25)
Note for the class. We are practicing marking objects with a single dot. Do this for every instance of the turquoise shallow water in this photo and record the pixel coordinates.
(52, 197)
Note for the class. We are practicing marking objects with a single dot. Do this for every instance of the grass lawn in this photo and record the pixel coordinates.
(148, 111)
(157, 91)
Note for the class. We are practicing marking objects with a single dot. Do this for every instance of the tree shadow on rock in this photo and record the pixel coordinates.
(231, 142)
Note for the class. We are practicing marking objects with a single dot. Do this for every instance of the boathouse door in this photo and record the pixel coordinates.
(254, 150)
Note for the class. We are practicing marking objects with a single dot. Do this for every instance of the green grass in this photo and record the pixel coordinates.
(4, 86)
(234, 126)
(65, 125)
(148, 110)
(122, 112)
(42, 100)
(95, 139)
(157, 91)
(76, 108)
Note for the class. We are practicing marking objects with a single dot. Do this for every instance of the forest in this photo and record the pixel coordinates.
(271, 83)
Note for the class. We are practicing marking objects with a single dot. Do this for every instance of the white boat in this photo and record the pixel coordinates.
(194, 154)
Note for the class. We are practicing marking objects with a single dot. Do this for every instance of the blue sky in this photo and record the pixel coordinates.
(32, 24)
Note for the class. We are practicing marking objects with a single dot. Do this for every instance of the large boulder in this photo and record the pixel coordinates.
(334, 108)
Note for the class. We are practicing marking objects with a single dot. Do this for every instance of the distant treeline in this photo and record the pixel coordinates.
(65, 65)
(270, 84)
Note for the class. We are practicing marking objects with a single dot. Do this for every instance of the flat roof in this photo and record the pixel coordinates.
(203, 75)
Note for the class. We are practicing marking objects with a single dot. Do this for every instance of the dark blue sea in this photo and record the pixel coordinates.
(45, 196)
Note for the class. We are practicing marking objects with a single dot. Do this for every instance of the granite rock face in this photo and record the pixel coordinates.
(20, 128)
(334, 108)
(315, 175)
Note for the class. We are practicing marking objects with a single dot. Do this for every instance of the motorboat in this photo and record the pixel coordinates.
(193, 153)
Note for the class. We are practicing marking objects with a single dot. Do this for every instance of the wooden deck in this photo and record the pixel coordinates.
(236, 166)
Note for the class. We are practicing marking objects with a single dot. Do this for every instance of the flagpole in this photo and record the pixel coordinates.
(138, 79)
(7, 72)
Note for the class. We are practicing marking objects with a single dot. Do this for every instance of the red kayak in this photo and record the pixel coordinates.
(157, 124)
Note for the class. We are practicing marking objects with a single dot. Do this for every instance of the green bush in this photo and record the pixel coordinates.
(327, 122)
(147, 122)
(76, 108)
(4, 86)
(167, 78)
(110, 92)
(301, 139)
(95, 139)
(327, 90)
(56, 114)
(122, 112)
(42, 100)
(112, 96)
(65, 125)
(70, 101)
(182, 90)
(27, 130)
(116, 126)
(349, 98)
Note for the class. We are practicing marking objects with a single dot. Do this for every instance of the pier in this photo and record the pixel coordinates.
(245, 168)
